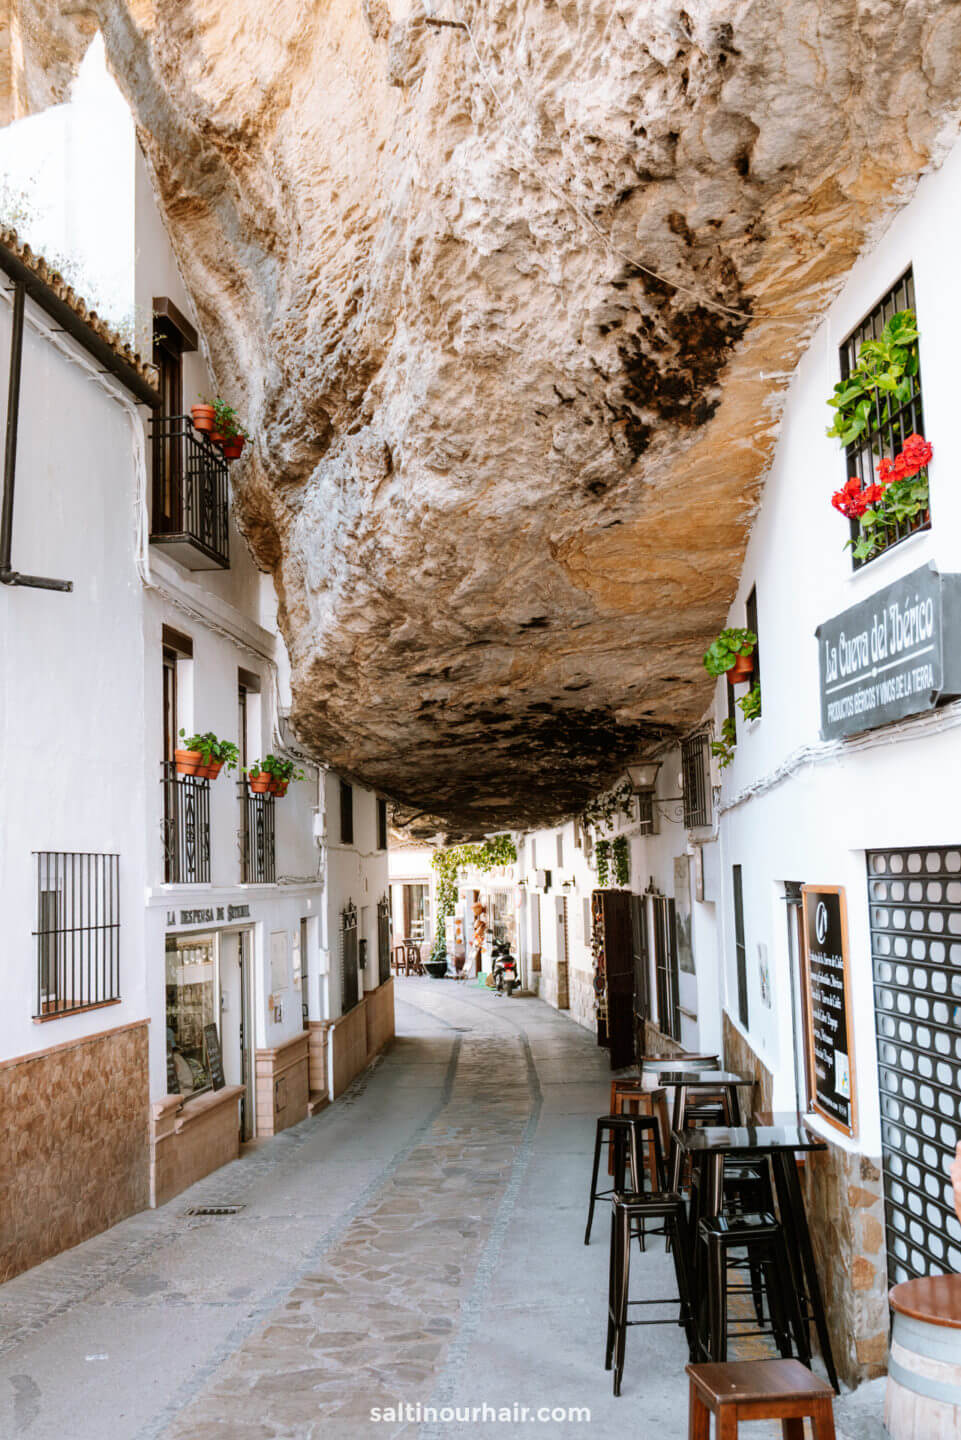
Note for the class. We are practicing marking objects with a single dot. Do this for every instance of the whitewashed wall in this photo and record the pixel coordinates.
(72, 690)
(897, 787)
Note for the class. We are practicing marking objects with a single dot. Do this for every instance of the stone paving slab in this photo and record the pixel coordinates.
(419, 1243)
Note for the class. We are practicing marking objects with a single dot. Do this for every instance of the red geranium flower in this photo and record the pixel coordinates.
(916, 454)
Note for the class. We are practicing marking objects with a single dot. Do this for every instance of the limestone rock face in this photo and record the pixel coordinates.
(510, 310)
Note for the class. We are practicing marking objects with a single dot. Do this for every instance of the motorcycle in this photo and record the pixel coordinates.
(504, 969)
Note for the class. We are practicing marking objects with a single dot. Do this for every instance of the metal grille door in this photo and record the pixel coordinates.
(915, 912)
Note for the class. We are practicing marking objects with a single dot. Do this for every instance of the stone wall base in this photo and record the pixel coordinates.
(738, 1055)
(354, 1039)
(190, 1138)
(283, 1083)
(379, 1005)
(74, 1156)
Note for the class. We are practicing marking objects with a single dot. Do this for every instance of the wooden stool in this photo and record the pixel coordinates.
(782, 1390)
(628, 1097)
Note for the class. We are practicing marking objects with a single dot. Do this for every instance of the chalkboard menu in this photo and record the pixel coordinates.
(214, 1058)
(828, 1005)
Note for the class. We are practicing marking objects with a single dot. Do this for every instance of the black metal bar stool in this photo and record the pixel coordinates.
(763, 1239)
(626, 1211)
(626, 1135)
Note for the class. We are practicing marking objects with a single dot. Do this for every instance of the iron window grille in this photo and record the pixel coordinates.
(349, 952)
(259, 865)
(696, 773)
(383, 940)
(186, 827)
(78, 931)
(647, 813)
(886, 434)
(191, 510)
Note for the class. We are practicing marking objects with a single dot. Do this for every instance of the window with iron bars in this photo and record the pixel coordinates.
(886, 432)
(647, 812)
(78, 931)
(696, 773)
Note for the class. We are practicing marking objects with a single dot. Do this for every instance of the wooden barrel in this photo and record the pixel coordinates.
(923, 1397)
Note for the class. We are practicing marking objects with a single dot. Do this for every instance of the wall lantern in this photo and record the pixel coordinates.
(643, 778)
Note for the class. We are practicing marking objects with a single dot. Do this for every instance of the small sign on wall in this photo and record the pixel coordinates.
(829, 1013)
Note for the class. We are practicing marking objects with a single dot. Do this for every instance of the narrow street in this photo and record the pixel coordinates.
(419, 1242)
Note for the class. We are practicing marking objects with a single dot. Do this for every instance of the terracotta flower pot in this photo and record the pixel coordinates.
(741, 670)
(212, 770)
(203, 417)
(189, 762)
(259, 784)
(218, 437)
(233, 447)
(278, 787)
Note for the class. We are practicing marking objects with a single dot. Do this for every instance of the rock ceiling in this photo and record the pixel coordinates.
(503, 473)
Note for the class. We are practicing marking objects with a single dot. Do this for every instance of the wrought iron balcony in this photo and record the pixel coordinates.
(259, 855)
(186, 828)
(191, 499)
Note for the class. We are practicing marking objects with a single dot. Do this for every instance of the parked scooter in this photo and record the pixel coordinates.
(504, 968)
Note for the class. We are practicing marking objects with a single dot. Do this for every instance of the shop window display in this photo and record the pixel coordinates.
(191, 995)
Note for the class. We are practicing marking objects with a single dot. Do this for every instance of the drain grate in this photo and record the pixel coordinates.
(214, 1210)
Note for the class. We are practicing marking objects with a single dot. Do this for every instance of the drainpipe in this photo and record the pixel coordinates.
(9, 576)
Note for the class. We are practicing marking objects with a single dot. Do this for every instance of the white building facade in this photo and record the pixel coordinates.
(189, 963)
(802, 906)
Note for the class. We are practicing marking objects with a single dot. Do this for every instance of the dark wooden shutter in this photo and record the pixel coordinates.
(381, 824)
(346, 813)
(642, 997)
(740, 948)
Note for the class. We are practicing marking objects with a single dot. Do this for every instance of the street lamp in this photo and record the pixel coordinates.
(643, 778)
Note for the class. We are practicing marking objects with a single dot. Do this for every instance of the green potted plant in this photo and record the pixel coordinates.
(203, 416)
(227, 431)
(272, 775)
(205, 755)
(750, 704)
(731, 654)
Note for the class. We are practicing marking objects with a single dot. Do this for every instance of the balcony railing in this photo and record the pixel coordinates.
(259, 861)
(186, 828)
(191, 498)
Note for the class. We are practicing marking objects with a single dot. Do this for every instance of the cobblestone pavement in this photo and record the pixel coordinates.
(418, 1243)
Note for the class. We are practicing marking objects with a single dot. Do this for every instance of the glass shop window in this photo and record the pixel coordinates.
(191, 1004)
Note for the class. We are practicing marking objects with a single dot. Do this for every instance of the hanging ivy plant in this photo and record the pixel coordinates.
(602, 853)
(602, 811)
(485, 855)
(881, 381)
(750, 704)
(622, 861)
(723, 748)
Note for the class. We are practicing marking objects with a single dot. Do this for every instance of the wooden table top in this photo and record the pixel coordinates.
(932, 1298)
(747, 1380)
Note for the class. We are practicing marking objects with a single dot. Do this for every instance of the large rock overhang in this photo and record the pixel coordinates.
(512, 312)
